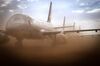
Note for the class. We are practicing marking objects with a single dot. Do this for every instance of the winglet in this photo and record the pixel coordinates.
(49, 14)
(63, 24)
(79, 27)
(74, 25)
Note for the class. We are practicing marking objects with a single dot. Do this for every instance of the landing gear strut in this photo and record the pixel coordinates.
(19, 43)
(53, 38)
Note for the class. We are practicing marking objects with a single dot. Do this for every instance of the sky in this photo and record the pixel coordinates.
(85, 13)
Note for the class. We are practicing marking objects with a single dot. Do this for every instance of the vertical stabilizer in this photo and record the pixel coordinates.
(49, 14)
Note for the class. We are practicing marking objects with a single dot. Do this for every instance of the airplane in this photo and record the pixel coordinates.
(24, 27)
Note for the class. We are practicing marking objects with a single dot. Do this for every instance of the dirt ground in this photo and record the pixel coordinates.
(69, 49)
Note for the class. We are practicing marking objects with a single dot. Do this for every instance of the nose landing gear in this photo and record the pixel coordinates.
(19, 43)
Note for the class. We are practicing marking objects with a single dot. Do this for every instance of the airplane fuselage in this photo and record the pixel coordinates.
(22, 26)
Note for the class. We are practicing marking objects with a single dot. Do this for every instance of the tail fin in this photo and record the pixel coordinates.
(49, 15)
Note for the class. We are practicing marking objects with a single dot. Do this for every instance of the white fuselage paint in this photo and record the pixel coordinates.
(22, 26)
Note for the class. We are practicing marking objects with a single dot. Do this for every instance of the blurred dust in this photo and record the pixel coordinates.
(68, 49)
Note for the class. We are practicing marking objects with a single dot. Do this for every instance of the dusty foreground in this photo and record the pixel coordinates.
(68, 50)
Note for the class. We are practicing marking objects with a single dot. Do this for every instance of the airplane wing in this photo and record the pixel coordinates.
(62, 27)
(69, 31)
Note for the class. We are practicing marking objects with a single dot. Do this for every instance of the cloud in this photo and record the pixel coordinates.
(2, 5)
(39, 9)
(32, 0)
(7, 1)
(4, 2)
(94, 11)
(87, 11)
(11, 10)
(77, 11)
(82, 4)
(23, 6)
